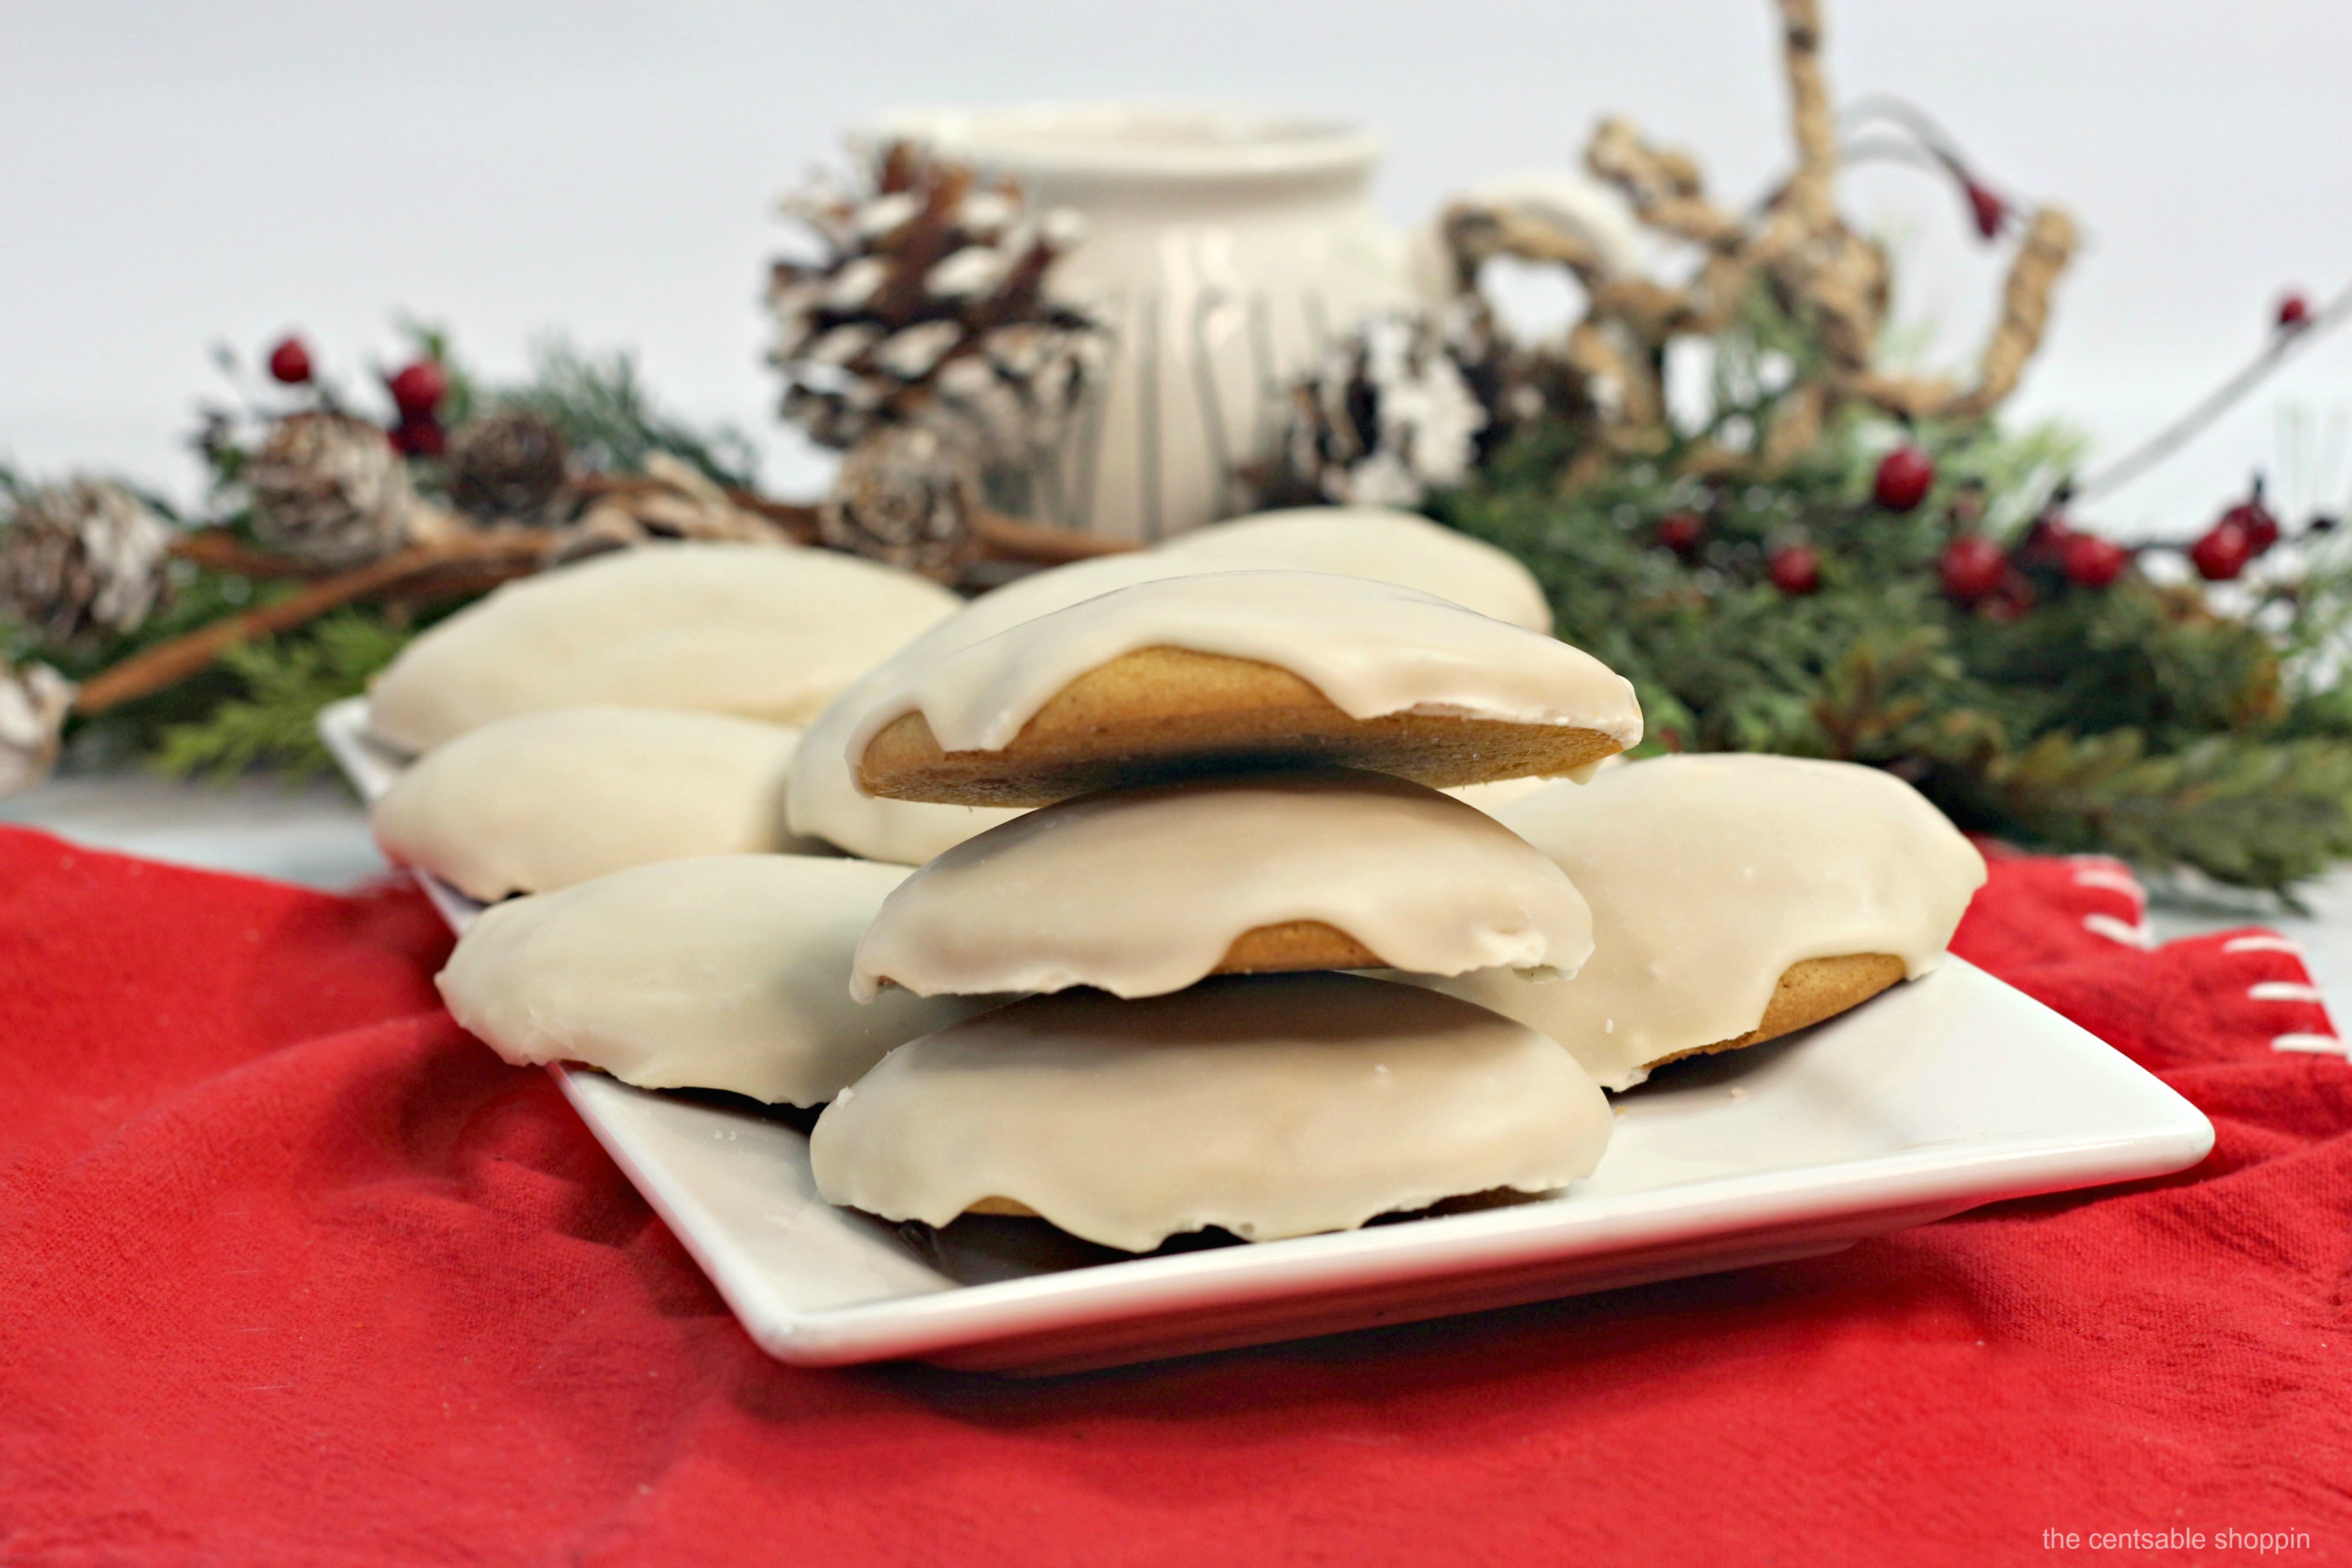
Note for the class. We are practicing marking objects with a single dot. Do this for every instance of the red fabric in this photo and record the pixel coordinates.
(292, 1271)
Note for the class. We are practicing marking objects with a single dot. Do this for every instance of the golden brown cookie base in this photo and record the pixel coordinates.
(1169, 712)
(1295, 945)
(1004, 1206)
(1811, 990)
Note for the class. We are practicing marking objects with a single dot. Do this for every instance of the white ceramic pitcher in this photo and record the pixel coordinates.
(1225, 247)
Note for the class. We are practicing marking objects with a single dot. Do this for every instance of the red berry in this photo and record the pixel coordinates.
(2045, 543)
(417, 389)
(1972, 566)
(1680, 531)
(1795, 569)
(2092, 562)
(1906, 475)
(2011, 600)
(290, 361)
(420, 435)
(2254, 520)
(1989, 211)
(2294, 311)
(2221, 553)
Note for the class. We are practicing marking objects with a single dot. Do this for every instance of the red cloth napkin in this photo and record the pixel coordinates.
(293, 1271)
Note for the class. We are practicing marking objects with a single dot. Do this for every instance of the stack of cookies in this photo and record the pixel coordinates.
(1238, 777)
(1166, 800)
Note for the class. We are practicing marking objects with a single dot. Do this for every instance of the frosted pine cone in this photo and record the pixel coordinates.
(506, 467)
(671, 500)
(82, 555)
(34, 702)
(928, 306)
(329, 491)
(905, 496)
(1391, 414)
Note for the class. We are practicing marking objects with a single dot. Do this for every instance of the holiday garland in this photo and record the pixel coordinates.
(1839, 559)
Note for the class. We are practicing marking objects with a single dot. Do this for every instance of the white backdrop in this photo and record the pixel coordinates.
(174, 173)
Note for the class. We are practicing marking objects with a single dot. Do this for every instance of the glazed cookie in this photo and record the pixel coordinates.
(1369, 543)
(1733, 899)
(1146, 891)
(1380, 544)
(824, 801)
(726, 972)
(766, 631)
(1241, 669)
(544, 800)
(1270, 1107)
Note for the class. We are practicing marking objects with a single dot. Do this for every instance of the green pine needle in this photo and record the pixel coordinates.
(284, 682)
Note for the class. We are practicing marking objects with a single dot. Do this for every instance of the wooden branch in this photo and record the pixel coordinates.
(800, 521)
(1810, 188)
(1664, 186)
(170, 662)
(1011, 539)
(2050, 241)
(222, 550)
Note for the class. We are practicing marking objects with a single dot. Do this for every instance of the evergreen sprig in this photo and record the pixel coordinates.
(2136, 719)
(284, 682)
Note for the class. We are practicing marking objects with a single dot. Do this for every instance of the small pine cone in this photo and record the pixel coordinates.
(329, 491)
(928, 304)
(1389, 415)
(506, 467)
(671, 500)
(82, 554)
(34, 702)
(905, 496)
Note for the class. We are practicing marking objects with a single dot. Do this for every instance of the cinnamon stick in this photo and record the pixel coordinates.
(172, 661)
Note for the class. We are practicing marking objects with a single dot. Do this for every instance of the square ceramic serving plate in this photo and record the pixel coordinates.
(1939, 1095)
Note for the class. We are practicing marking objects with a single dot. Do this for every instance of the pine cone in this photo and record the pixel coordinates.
(671, 500)
(905, 496)
(506, 467)
(929, 306)
(329, 491)
(34, 702)
(82, 554)
(1392, 413)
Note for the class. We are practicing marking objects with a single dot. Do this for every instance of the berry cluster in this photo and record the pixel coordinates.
(418, 390)
(1977, 573)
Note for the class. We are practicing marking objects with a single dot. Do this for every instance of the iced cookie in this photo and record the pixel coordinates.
(1733, 899)
(766, 631)
(1380, 544)
(1241, 669)
(1270, 1107)
(544, 800)
(1369, 543)
(1146, 891)
(729, 972)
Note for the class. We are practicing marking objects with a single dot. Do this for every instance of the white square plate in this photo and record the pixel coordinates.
(1948, 1092)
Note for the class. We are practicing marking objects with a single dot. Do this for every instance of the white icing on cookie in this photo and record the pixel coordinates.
(825, 800)
(1140, 891)
(1372, 648)
(1353, 541)
(1380, 544)
(544, 800)
(767, 631)
(729, 972)
(1274, 1106)
(1709, 876)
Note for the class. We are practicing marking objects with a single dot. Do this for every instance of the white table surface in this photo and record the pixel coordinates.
(316, 834)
